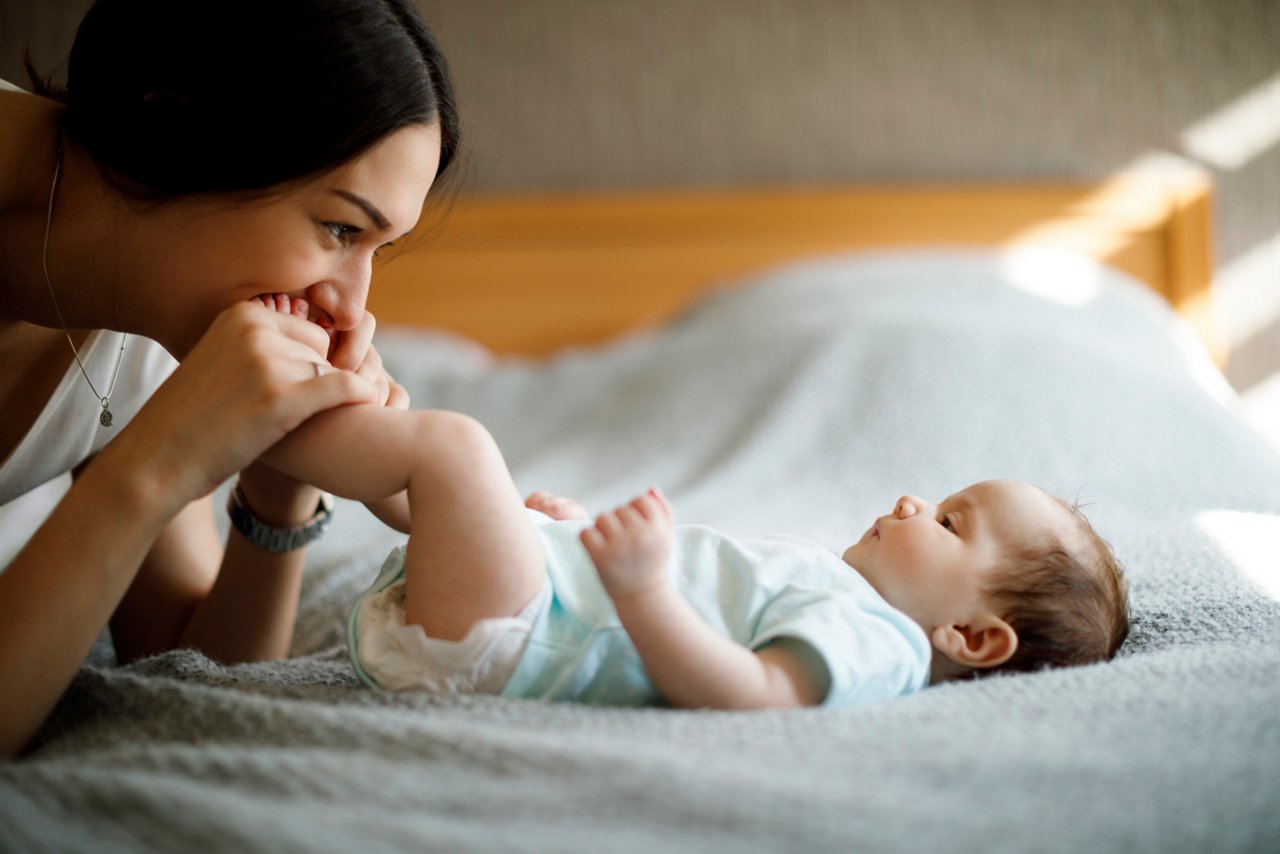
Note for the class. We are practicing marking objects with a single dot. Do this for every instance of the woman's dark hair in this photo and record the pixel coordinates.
(173, 98)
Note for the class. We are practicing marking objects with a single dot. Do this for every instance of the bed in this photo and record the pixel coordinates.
(758, 359)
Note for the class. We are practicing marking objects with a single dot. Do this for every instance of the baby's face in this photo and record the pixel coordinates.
(928, 560)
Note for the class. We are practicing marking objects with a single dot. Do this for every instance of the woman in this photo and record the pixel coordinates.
(201, 155)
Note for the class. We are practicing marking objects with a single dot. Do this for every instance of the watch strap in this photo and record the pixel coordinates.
(274, 539)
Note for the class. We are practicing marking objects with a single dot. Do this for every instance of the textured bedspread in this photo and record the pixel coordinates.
(805, 404)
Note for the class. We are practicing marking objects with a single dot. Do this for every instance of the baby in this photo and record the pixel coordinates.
(497, 595)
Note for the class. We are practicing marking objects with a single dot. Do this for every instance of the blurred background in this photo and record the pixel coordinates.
(607, 94)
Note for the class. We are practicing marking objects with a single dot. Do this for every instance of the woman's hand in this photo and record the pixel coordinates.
(251, 379)
(275, 497)
(353, 350)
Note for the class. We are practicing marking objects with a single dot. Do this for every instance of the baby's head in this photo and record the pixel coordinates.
(1001, 576)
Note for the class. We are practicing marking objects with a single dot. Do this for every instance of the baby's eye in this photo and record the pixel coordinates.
(383, 246)
(945, 522)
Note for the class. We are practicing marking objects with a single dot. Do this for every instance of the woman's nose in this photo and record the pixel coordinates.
(342, 299)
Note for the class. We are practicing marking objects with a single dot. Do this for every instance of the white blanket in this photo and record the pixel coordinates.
(804, 404)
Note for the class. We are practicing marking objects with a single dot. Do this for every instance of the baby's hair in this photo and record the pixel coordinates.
(1068, 605)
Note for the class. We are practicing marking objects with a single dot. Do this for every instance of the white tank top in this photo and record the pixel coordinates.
(67, 431)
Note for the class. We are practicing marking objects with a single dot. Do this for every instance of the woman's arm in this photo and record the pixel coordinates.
(246, 383)
(692, 665)
(239, 603)
(233, 603)
(59, 591)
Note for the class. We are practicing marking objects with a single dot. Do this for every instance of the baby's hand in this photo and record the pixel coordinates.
(630, 545)
(555, 506)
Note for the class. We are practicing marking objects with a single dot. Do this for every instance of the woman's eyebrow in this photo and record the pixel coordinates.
(365, 205)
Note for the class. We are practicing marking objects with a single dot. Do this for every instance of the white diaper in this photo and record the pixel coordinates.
(393, 656)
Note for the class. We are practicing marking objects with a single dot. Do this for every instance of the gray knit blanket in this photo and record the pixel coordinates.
(804, 403)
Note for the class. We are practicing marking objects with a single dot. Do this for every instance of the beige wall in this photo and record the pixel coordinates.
(621, 93)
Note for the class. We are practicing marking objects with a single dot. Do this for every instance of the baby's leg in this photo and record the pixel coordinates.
(473, 552)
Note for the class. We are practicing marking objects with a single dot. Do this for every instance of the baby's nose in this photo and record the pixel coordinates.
(905, 508)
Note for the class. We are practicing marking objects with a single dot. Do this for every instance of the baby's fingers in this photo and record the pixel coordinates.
(663, 502)
(642, 505)
(629, 516)
(596, 545)
(608, 524)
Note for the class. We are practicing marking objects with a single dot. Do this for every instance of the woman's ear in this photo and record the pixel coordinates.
(986, 642)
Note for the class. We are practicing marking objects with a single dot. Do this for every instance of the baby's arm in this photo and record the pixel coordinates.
(691, 664)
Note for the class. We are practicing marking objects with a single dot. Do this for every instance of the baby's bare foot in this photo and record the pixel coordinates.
(283, 303)
(555, 506)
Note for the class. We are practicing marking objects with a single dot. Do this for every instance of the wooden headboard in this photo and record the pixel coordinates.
(528, 274)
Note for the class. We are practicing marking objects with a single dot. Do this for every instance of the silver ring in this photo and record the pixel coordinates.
(319, 369)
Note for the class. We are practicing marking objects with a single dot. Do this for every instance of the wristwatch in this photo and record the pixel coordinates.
(273, 539)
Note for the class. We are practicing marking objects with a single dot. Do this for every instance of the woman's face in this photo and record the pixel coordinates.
(317, 242)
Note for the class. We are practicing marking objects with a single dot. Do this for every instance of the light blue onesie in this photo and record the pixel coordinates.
(754, 591)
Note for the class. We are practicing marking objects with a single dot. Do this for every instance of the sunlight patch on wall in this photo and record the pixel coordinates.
(1247, 291)
(1251, 541)
(1157, 161)
(1234, 135)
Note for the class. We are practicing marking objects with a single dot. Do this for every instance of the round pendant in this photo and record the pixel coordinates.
(105, 418)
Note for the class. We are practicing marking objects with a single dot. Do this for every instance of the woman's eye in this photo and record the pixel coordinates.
(340, 232)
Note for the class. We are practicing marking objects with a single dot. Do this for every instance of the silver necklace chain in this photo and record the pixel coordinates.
(105, 399)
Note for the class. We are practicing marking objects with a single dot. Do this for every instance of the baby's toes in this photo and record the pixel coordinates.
(592, 540)
(299, 308)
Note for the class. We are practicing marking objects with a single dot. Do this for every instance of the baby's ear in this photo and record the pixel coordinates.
(986, 642)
